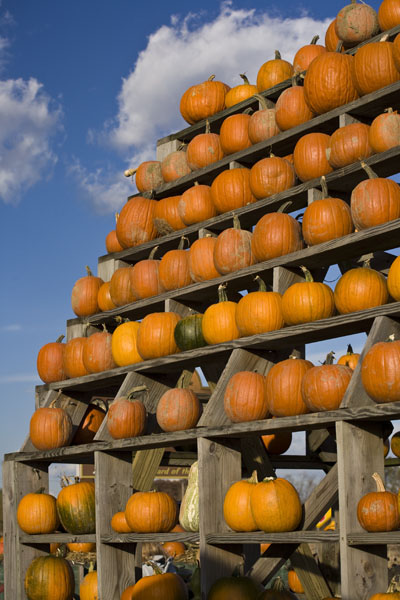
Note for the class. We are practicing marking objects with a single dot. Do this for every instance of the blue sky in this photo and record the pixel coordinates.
(86, 89)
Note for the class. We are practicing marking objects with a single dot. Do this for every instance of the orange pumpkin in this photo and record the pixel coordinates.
(92, 419)
(112, 243)
(307, 301)
(245, 397)
(349, 144)
(151, 512)
(359, 289)
(277, 443)
(324, 386)
(232, 250)
(196, 204)
(389, 14)
(374, 67)
(37, 513)
(384, 132)
(350, 359)
(144, 277)
(119, 524)
(259, 312)
(378, 511)
(124, 344)
(76, 508)
(168, 586)
(240, 92)
(306, 54)
(231, 189)
(50, 361)
(276, 505)
(356, 23)
(237, 511)
(291, 107)
(175, 165)
(331, 38)
(84, 295)
(203, 100)
(178, 408)
(97, 354)
(204, 149)
(273, 72)
(127, 416)
(275, 234)
(174, 269)
(262, 124)
(135, 225)
(393, 280)
(219, 323)
(49, 577)
(104, 299)
(395, 444)
(283, 383)
(81, 547)
(88, 588)
(380, 371)
(294, 582)
(73, 358)
(234, 133)
(270, 176)
(201, 259)
(166, 215)
(309, 156)
(50, 427)
(121, 291)
(396, 51)
(148, 176)
(375, 200)
(173, 549)
(156, 335)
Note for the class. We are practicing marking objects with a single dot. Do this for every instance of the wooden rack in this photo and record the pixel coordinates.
(225, 450)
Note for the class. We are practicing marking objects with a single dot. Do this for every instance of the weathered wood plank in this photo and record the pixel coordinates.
(62, 538)
(311, 578)
(123, 538)
(364, 538)
(259, 537)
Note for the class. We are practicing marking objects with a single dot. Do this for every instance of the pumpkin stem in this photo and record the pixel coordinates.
(307, 274)
(53, 402)
(116, 217)
(211, 78)
(277, 55)
(282, 208)
(371, 174)
(254, 477)
(391, 338)
(245, 80)
(329, 358)
(184, 379)
(130, 172)
(182, 242)
(91, 566)
(104, 328)
(196, 183)
(247, 111)
(367, 263)
(156, 568)
(295, 81)
(236, 222)
(153, 253)
(208, 128)
(222, 295)
(40, 490)
(270, 478)
(324, 187)
(261, 284)
(262, 101)
(118, 319)
(139, 389)
(388, 110)
(88, 271)
(384, 38)
(60, 339)
(293, 355)
(314, 40)
(339, 46)
(380, 486)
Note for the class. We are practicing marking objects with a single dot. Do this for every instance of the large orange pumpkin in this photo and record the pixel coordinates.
(49, 577)
(201, 259)
(148, 176)
(124, 344)
(231, 189)
(291, 108)
(270, 176)
(204, 149)
(127, 416)
(50, 361)
(196, 204)
(178, 408)
(245, 397)
(234, 133)
(276, 505)
(349, 144)
(73, 358)
(168, 586)
(389, 14)
(84, 295)
(380, 371)
(384, 132)
(37, 513)
(203, 100)
(151, 512)
(324, 386)
(262, 124)
(240, 92)
(156, 335)
(232, 250)
(374, 67)
(166, 215)
(393, 280)
(121, 291)
(97, 354)
(174, 271)
(283, 384)
(306, 54)
(259, 312)
(307, 301)
(309, 156)
(359, 289)
(92, 419)
(219, 323)
(356, 23)
(237, 510)
(144, 277)
(50, 427)
(76, 508)
(378, 511)
(136, 222)
(273, 72)
(275, 234)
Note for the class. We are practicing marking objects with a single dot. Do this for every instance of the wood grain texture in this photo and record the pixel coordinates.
(124, 538)
(364, 538)
(59, 538)
(311, 578)
(259, 537)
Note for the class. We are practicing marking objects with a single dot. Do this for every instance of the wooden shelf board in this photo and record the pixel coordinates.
(259, 537)
(372, 539)
(62, 538)
(126, 538)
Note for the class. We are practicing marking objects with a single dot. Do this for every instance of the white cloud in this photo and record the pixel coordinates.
(11, 328)
(20, 378)
(177, 56)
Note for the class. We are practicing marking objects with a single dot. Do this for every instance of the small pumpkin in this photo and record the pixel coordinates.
(204, 149)
(234, 133)
(201, 259)
(384, 132)
(270, 176)
(283, 384)
(259, 312)
(118, 523)
(50, 361)
(240, 92)
(219, 322)
(73, 358)
(324, 386)
(76, 508)
(50, 427)
(92, 419)
(307, 301)
(378, 511)
(237, 510)
(273, 72)
(84, 295)
(349, 144)
(112, 243)
(276, 505)
(203, 100)
(37, 513)
(291, 107)
(276, 234)
(127, 415)
(232, 250)
(178, 408)
(124, 343)
(356, 23)
(156, 335)
(231, 189)
(97, 354)
(88, 588)
(49, 577)
(306, 54)
(175, 165)
(350, 359)
(359, 289)
(188, 333)
(148, 176)
(151, 512)
(245, 397)
(144, 277)
(294, 582)
(380, 371)
(309, 156)
(262, 123)
(196, 204)
(136, 222)
(174, 269)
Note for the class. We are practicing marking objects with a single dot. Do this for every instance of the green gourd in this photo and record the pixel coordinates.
(189, 511)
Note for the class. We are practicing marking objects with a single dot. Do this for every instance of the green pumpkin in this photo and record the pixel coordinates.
(49, 577)
(188, 333)
(76, 508)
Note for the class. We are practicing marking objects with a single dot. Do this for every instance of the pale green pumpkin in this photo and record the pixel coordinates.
(189, 511)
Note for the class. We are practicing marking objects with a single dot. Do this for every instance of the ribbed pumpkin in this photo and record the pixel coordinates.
(306, 54)
(324, 386)
(232, 250)
(201, 259)
(374, 67)
(112, 243)
(73, 358)
(90, 424)
(104, 299)
(262, 124)
(50, 361)
(168, 586)
(380, 371)
(234, 588)
(219, 323)
(277, 443)
(166, 215)
(356, 23)
(331, 38)
(203, 100)
(307, 301)
(118, 523)
(309, 156)
(234, 133)
(273, 72)
(349, 144)
(359, 289)
(156, 335)
(144, 277)
(375, 200)
(350, 359)
(173, 548)
(124, 344)
(76, 508)
(151, 512)
(204, 149)
(283, 384)
(121, 291)
(84, 295)
(188, 333)
(178, 408)
(175, 165)
(291, 107)
(127, 415)
(259, 312)
(396, 51)
(135, 225)
(245, 397)
(51, 578)
(50, 427)
(276, 505)
(148, 176)
(389, 14)
(384, 132)
(174, 271)
(240, 92)
(270, 176)
(196, 204)
(275, 234)
(237, 511)
(294, 582)
(326, 219)
(231, 189)
(393, 280)
(328, 82)
(81, 547)
(88, 588)
(378, 511)
(37, 513)
(97, 354)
